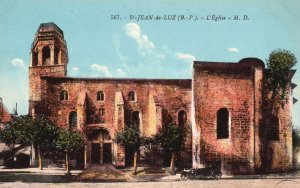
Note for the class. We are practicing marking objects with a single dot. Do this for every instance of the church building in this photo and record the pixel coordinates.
(223, 109)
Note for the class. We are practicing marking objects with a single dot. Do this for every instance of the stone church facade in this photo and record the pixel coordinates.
(222, 109)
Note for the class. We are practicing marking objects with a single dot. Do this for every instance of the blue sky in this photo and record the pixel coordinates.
(101, 47)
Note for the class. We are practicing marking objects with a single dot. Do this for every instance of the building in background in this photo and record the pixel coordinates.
(5, 115)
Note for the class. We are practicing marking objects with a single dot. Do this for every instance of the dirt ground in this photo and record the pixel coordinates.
(108, 173)
(223, 183)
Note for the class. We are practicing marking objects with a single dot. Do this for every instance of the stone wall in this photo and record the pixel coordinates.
(167, 96)
(276, 135)
(230, 86)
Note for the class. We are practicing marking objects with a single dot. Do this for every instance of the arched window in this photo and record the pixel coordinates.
(182, 118)
(222, 123)
(46, 55)
(102, 112)
(102, 115)
(73, 119)
(100, 96)
(135, 120)
(131, 96)
(64, 95)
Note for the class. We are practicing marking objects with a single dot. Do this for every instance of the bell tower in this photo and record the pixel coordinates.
(48, 57)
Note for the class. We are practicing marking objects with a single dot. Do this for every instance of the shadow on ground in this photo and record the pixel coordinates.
(32, 177)
(95, 173)
(108, 173)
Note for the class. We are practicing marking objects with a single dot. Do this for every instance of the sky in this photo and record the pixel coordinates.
(107, 38)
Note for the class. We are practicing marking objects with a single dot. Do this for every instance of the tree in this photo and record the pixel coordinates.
(18, 131)
(130, 138)
(296, 138)
(44, 133)
(27, 131)
(170, 137)
(69, 141)
(279, 65)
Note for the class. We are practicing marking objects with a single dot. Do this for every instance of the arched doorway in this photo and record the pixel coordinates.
(100, 146)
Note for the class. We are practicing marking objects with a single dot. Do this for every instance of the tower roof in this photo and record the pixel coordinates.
(49, 27)
(48, 31)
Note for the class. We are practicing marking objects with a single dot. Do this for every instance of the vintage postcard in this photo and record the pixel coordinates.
(135, 93)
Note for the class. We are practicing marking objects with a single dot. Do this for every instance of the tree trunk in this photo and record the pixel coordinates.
(134, 163)
(40, 158)
(32, 156)
(172, 165)
(67, 163)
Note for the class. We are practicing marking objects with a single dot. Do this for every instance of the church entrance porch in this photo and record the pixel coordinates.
(99, 148)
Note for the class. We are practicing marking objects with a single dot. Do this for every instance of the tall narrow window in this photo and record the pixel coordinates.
(222, 123)
(136, 120)
(273, 133)
(102, 115)
(64, 95)
(34, 59)
(131, 96)
(182, 118)
(46, 55)
(73, 119)
(100, 96)
(56, 52)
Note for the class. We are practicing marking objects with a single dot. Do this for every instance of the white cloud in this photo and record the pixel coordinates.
(134, 31)
(154, 59)
(120, 72)
(18, 63)
(74, 71)
(189, 58)
(16, 82)
(166, 49)
(233, 50)
(101, 69)
(122, 57)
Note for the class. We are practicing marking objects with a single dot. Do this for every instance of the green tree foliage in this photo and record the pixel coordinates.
(130, 138)
(18, 131)
(296, 138)
(44, 133)
(171, 137)
(279, 64)
(26, 130)
(69, 141)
